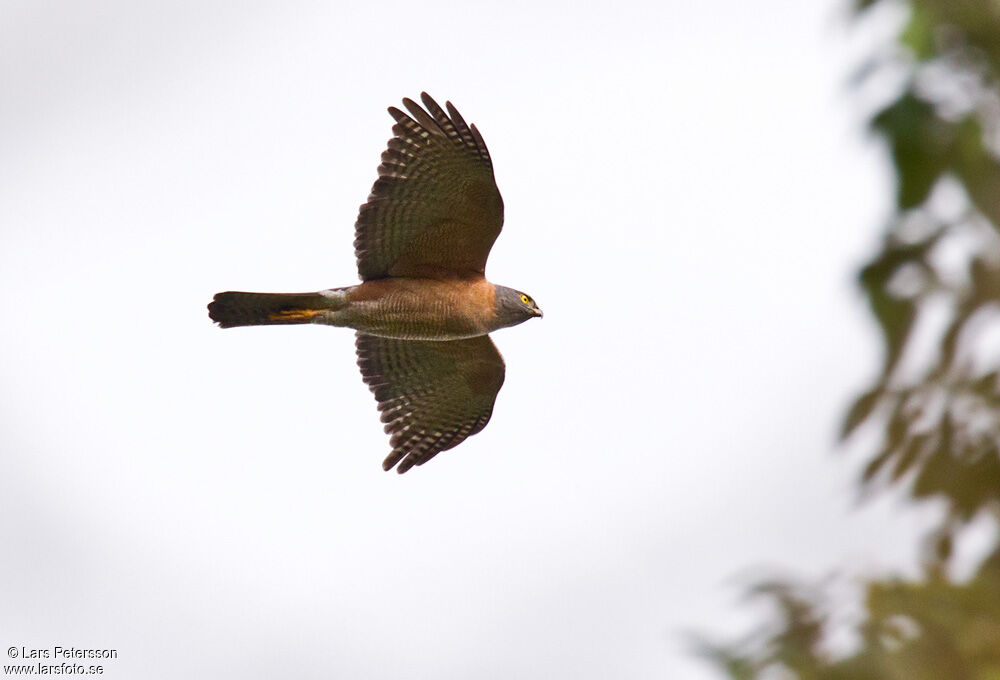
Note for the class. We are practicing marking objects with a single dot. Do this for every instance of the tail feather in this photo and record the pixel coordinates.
(234, 308)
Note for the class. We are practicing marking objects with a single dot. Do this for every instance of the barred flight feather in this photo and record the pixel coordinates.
(431, 395)
(435, 173)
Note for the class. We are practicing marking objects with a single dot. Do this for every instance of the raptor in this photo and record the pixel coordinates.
(424, 309)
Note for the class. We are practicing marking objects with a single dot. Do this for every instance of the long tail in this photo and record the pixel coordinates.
(266, 309)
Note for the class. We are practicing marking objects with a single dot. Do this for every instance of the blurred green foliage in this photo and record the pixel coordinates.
(940, 408)
(934, 291)
(931, 629)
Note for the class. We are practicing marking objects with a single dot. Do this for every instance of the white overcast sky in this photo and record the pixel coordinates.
(688, 194)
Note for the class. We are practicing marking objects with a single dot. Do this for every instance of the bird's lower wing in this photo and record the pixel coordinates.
(432, 395)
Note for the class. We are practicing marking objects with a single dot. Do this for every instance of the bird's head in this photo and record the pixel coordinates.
(514, 307)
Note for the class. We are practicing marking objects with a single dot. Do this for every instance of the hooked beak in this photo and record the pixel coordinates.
(538, 313)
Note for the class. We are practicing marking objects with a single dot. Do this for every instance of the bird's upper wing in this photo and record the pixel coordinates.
(435, 209)
(432, 395)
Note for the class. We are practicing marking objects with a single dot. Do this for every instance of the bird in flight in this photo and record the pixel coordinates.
(424, 309)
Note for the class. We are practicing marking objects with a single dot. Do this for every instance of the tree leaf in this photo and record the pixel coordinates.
(919, 142)
(862, 407)
(918, 34)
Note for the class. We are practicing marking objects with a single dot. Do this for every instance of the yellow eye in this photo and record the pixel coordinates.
(525, 299)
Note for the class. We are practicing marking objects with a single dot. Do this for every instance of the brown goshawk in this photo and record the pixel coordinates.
(424, 308)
